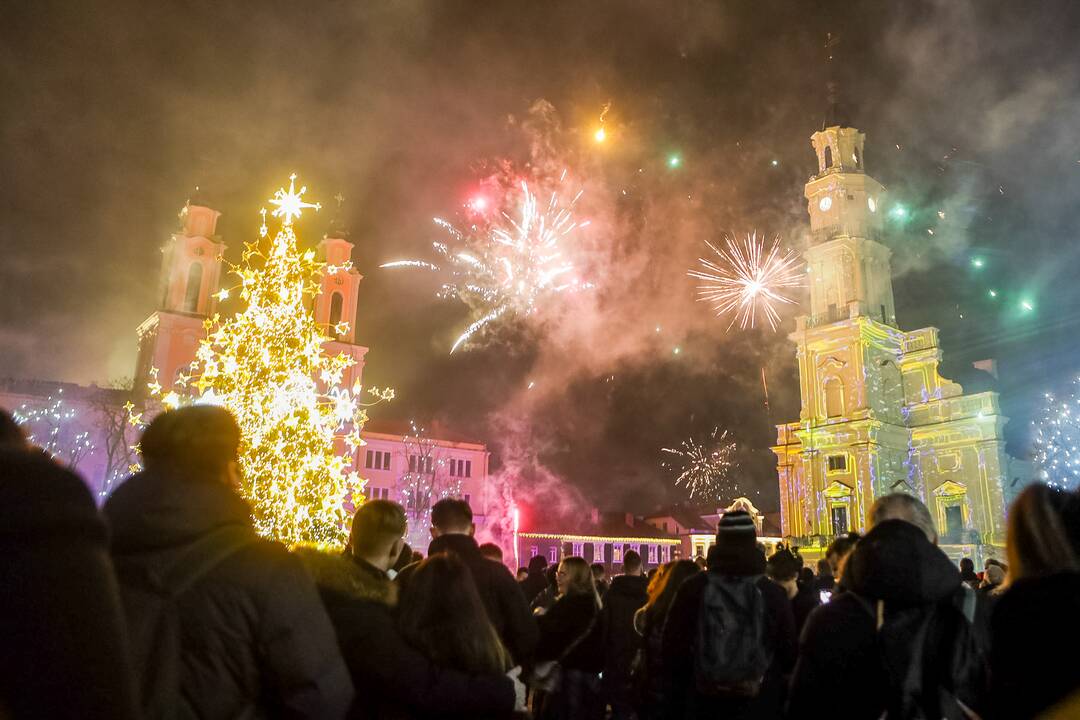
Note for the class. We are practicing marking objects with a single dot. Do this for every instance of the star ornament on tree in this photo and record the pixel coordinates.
(289, 204)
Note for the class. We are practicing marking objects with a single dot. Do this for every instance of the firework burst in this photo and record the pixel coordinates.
(508, 266)
(748, 281)
(705, 469)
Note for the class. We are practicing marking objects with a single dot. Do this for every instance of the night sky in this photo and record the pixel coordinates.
(113, 113)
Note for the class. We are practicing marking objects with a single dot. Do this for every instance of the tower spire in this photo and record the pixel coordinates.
(835, 114)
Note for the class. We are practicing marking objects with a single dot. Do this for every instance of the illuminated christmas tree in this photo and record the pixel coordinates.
(1057, 439)
(267, 365)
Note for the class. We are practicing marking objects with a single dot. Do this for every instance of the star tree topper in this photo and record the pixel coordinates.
(290, 204)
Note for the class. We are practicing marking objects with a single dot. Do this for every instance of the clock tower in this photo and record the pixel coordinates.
(876, 416)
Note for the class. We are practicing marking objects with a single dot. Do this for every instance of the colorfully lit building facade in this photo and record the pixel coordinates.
(876, 415)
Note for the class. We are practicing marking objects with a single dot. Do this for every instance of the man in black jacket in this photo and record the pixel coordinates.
(627, 594)
(452, 529)
(392, 679)
(855, 650)
(735, 555)
(254, 639)
(537, 580)
(61, 623)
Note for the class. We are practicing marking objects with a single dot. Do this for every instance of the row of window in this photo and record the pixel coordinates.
(656, 553)
(461, 468)
(377, 460)
(374, 493)
(380, 460)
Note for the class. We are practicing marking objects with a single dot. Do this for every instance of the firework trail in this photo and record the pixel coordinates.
(508, 266)
(748, 281)
(706, 469)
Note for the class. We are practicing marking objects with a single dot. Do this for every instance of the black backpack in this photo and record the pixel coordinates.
(149, 596)
(934, 665)
(730, 651)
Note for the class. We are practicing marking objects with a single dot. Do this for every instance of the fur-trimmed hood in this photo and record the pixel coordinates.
(349, 577)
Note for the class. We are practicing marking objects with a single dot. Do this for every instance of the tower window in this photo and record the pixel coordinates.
(834, 398)
(336, 302)
(194, 286)
(855, 156)
(828, 156)
(837, 463)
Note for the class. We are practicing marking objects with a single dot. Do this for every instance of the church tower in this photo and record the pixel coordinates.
(190, 276)
(876, 417)
(335, 306)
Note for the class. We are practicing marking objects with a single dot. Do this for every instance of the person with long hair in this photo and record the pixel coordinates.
(571, 640)
(649, 622)
(1041, 600)
(441, 615)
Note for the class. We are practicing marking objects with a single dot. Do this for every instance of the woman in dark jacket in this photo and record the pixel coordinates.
(570, 636)
(649, 622)
(442, 616)
(1041, 601)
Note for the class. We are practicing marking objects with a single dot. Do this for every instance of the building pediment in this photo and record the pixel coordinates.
(950, 488)
(837, 489)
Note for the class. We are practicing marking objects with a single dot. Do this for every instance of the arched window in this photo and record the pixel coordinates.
(855, 156)
(336, 301)
(834, 397)
(194, 285)
(828, 156)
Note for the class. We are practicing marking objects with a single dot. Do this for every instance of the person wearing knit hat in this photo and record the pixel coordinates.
(735, 562)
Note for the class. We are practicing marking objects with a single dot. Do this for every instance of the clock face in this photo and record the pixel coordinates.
(872, 204)
(825, 203)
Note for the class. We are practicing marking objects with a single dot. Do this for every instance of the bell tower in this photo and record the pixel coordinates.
(190, 276)
(335, 306)
(876, 417)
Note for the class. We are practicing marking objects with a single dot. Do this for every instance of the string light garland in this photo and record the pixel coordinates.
(424, 483)
(53, 428)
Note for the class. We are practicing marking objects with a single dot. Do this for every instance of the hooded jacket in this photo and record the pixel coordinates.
(392, 679)
(255, 639)
(499, 591)
(61, 623)
(844, 657)
(680, 636)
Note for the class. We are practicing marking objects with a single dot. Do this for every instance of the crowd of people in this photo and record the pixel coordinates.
(166, 604)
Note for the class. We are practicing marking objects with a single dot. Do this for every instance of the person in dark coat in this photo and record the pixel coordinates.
(783, 569)
(735, 554)
(894, 577)
(452, 531)
(61, 623)
(537, 579)
(967, 573)
(392, 678)
(627, 594)
(824, 580)
(651, 689)
(254, 637)
(570, 635)
(1040, 604)
(546, 597)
